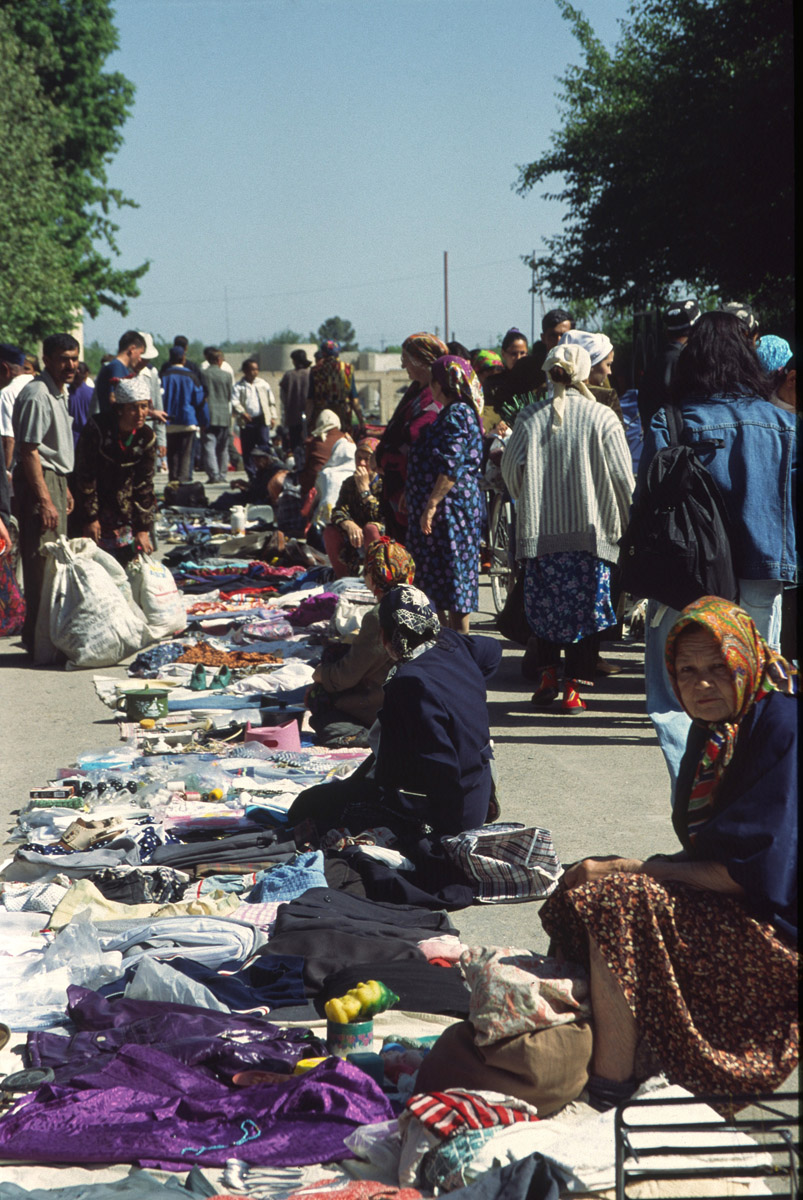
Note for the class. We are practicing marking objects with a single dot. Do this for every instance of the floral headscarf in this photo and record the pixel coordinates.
(329, 349)
(424, 347)
(134, 390)
(456, 377)
(486, 360)
(409, 621)
(368, 445)
(756, 671)
(576, 362)
(388, 564)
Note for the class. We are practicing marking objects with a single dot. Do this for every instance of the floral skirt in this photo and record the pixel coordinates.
(567, 596)
(712, 989)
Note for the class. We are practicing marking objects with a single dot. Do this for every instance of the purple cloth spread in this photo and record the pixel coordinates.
(315, 608)
(137, 1083)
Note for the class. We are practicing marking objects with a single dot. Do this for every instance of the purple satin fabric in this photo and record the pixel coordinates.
(141, 1103)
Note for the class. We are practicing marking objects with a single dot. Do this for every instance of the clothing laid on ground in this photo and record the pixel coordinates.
(113, 481)
(415, 411)
(447, 560)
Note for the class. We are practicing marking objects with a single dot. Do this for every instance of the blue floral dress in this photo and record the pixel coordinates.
(447, 561)
(567, 596)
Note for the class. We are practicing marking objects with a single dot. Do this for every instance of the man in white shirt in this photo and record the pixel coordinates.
(256, 409)
(13, 379)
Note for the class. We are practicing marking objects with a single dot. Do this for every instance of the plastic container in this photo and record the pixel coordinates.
(275, 737)
(238, 515)
(145, 702)
(354, 1036)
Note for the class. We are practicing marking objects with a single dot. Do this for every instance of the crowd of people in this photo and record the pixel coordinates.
(402, 507)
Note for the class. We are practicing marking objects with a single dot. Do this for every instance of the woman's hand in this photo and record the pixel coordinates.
(316, 675)
(427, 517)
(352, 532)
(589, 870)
(403, 503)
(143, 542)
(362, 477)
(92, 530)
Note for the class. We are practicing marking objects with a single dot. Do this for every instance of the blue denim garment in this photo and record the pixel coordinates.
(755, 471)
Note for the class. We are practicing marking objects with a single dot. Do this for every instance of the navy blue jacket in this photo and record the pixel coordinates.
(753, 831)
(435, 738)
(183, 398)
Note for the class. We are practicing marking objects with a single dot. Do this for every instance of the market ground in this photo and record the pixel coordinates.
(596, 781)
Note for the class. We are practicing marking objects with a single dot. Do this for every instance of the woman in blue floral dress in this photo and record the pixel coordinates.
(443, 497)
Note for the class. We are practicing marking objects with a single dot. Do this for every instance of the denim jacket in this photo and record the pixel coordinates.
(755, 470)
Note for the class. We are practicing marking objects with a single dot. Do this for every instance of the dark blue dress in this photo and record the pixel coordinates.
(447, 561)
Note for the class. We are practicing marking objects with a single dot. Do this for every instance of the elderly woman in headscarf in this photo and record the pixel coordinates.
(415, 411)
(332, 386)
(115, 461)
(600, 351)
(356, 518)
(695, 953)
(318, 447)
(567, 465)
(348, 695)
(443, 497)
(432, 756)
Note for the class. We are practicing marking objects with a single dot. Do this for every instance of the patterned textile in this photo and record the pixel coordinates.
(447, 560)
(113, 480)
(131, 391)
(485, 360)
(450, 1165)
(456, 377)
(415, 411)
(451, 1111)
(567, 596)
(773, 352)
(12, 601)
(368, 444)
(515, 991)
(505, 861)
(756, 671)
(330, 349)
(407, 616)
(713, 990)
(332, 386)
(424, 347)
(388, 563)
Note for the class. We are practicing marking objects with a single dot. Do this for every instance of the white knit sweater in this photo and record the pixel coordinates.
(573, 485)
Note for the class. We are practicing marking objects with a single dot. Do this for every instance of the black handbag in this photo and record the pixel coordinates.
(512, 622)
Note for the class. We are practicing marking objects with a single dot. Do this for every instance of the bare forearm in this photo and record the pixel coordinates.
(711, 876)
(32, 468)
(8, 451)
(442, 485)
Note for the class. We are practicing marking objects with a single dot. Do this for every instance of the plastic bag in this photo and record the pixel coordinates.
(154, 590)
(87, 610)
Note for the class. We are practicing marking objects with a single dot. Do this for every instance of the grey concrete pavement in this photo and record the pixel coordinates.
(597, 780)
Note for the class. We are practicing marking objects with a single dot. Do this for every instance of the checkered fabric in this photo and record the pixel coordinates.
(506, 861)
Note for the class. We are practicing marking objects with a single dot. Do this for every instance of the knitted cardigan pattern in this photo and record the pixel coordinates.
(574, 484)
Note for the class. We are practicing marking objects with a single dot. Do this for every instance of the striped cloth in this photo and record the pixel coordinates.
(452, 1111)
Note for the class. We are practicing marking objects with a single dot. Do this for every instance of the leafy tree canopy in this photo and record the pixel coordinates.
(676, 151)
(67, 43)
(284, 337)
(335, 329)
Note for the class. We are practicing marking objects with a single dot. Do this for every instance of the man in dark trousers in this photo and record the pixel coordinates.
(186, 415)
(654, 388)
(215, 447)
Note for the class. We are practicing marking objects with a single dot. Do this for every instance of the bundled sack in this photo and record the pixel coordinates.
(506, 861)
(87, 610)
(513, 991)
(154, 590)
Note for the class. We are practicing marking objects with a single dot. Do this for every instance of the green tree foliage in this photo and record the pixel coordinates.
(335, 329)
(68, 42)
(284, 337)
(676, 151)
(37, 291)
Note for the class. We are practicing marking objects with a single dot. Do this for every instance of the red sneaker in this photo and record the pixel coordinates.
(573, 702)
(547, 689)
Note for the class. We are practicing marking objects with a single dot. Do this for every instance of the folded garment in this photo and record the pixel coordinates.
(259, 845)
(85, 897)
(265, 984)
(210, 940)
(141, 885)
(290, 881)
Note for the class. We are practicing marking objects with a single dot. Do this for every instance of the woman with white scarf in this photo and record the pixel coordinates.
(567, 465)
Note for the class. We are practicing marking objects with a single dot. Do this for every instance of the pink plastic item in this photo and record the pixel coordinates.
(275, 737)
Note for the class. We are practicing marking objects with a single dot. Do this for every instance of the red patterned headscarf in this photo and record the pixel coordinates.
(756, 671)
(388, 564)
(456, 377)
(424, 347)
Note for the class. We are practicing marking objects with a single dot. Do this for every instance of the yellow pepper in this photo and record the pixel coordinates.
(360, 1003)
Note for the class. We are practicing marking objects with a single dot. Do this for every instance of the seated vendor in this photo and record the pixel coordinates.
(257, 488)
(356, 519)
(695, 954)
(432, 763)
(348, 695)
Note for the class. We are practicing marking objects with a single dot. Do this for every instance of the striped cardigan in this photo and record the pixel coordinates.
(573, 485)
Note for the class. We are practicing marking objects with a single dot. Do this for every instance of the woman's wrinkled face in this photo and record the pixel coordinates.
(417, 371)
(133, 416)
(514, 352)
(364, 458)
(703, 677)
(599, 373)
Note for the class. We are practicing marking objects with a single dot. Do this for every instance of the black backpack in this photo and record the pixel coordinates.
(677, 545)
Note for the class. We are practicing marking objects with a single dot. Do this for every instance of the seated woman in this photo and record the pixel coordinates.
(349, 693)
(356, 519)
(115, 459)
(695, 953)
(432, 753)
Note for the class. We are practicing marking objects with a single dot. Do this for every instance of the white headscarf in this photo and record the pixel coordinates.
(134, 390)
(576, 362)
(327, 421)
(598, 345)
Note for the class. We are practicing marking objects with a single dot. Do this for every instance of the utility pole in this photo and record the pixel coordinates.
(226, 310)
(446, 295)
(532, 301)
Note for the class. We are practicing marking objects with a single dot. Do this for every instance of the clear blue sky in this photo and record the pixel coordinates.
(316, 157)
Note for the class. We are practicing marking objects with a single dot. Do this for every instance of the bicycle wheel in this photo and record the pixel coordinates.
(501, 570)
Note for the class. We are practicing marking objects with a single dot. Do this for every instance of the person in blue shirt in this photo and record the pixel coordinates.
(129, 352)
(187, 413)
